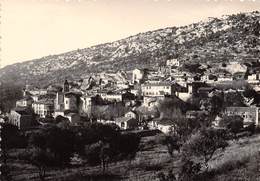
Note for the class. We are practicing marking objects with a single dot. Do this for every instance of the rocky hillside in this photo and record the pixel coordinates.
(232, 37)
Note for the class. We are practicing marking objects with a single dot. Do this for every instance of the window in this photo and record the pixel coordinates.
(123, 125)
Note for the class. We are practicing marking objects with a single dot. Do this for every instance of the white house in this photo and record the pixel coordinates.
(126, 123)
(253, 78)
(25, 102)
(137, 75)
(157, 89)
(111, 97)
(43, 108)
(131, 114)
(86, 103)
(173, 62)
(164, 125)
(224, 77)
(38, 91)
(22, 118)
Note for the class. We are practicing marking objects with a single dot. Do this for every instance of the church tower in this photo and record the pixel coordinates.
(66, 87)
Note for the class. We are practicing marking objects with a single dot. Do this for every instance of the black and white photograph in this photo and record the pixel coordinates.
(129, 90)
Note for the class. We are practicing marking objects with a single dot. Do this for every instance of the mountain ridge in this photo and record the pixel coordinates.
(231, 37)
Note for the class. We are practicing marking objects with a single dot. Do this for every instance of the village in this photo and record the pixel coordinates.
(132, 100)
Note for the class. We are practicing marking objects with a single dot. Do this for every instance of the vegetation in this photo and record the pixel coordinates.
(9, 94)
(204, 144)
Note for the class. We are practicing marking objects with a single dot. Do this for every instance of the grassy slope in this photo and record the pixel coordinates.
(238, 162)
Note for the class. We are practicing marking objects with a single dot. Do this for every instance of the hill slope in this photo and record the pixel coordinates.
(233, 37)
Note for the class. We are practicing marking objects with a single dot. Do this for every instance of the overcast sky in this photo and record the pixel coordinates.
(35, 28)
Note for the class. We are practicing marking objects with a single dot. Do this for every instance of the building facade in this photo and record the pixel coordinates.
(249, 114)
(157, 89)
(43, 108)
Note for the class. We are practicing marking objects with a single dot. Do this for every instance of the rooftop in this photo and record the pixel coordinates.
(123, 119)
(158, 84)
(241, 109)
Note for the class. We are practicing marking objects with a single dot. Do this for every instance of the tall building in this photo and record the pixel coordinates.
(66, 86)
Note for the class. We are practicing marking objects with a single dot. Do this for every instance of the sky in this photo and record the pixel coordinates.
(32, 29)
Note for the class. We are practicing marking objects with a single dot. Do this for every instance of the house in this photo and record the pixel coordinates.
(253, 78)
(173, 62)
(157, 89)
(59, 101)
(35, 97)
(24, 102)
(136, 92)
(70, 101)
(126, 123)
(150, 101)
(249, 114)
(164, 125)
(186, 93)
(209, 78)
(106, 121)
(138, 76)
(66, 101)
(58, 112)
(111, 97)
(86, 103)
(22, 118)
(179, 77)
(37, 91)
(122, 85)
(43, 108)
(223, 77)
(2, 120)
(131, 114)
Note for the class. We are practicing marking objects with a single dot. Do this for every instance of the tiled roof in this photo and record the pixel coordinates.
(241, 109)
(158, 84)
(123, 119)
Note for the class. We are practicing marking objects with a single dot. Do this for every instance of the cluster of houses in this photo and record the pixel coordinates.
(141, 87)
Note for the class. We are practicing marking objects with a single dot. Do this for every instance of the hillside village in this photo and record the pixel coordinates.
(132, 102)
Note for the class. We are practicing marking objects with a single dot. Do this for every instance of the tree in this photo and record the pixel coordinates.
(125, 146)
(204, 143)
(56, 141)
(41, 159)
(189, 170)
(233, 123)
(11, 137)
(171, 141)
(183, 127)
(167, 177)
(171, 108)
(10, 93)
(101, 144)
